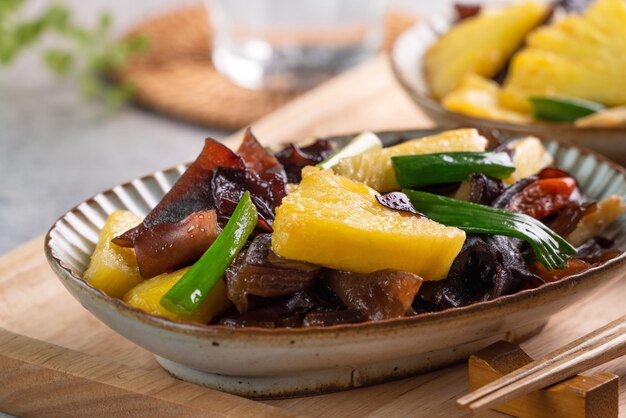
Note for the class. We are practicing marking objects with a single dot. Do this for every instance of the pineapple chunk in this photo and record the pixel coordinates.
(374, 167)
(147, 296)
(595, 223)
(582, 56)
(479, 45)
(530, 158)
(614, 117)
(335, 222)
(113, 269)
(480, 97)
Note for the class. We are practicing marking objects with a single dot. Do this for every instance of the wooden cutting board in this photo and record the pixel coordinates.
(57, 359)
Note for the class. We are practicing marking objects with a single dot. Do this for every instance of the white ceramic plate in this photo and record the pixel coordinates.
(259, 362)
(407, 56)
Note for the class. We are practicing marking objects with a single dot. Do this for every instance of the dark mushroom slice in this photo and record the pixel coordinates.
(316, 306)
(566, 220)
(260, 272)
(480, 188)
(215, 182)
(397, 201)
(383, 294)
(264, 177)
(283, 312)
(484, 189)
(261, 162)
(486, 268)
(597, 250)
(507, 194)
(294, 158)
(191, 193)
(166, 247)
(256, 157)
(229, 185)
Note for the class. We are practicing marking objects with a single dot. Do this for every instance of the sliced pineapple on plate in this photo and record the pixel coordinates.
(596, 222)
(147, 297)
(614, 117)
(529, 158)
(374, 167)
(479, 45)
(113, 269)
(581, 56)
(480, 97)
(335, 222)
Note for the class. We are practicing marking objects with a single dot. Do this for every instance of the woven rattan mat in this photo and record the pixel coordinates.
(176, 76)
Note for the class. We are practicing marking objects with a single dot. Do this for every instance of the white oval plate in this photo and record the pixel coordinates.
(258, 362)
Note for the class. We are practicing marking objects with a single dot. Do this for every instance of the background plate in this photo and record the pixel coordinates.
(407, 56)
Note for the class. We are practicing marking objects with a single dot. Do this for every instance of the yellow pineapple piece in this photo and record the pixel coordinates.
(596, 222)
(581, 56)
(480, 97)
(113, 269)
(374, 167)
(479, 45)
(147, 296)
(530, 157)
(335, 222)
(614, 117)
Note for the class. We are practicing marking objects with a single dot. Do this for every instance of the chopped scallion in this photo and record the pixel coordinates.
(562, 109)
(549, 248)
(449, 167)
(194, 287)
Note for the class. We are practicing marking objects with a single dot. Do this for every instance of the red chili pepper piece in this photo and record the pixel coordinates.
(543, 197)
(574, 266)
(553, 172)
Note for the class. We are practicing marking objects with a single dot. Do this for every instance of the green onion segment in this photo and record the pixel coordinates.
(562, 109)
(549, 248)
(367, 141)
(449, 167)
(194, 287)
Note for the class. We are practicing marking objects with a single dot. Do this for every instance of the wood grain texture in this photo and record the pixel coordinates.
(33, 302)
(41, 379)
(589, 396)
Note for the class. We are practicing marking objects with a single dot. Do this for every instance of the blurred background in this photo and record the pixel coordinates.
(56, 149)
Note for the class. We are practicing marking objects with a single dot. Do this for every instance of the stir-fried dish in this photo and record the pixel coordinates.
(320, 235)
(534, 62)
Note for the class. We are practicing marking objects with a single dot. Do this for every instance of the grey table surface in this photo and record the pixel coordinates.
(55, 150)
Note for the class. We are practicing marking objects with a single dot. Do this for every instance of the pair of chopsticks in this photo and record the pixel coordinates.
(596, 348)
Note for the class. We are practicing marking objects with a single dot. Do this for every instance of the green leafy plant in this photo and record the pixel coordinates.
(69, 50)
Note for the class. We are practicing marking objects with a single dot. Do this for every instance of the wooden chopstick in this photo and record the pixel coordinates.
(598, 347)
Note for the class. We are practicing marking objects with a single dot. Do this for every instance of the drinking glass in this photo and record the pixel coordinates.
(287, 45)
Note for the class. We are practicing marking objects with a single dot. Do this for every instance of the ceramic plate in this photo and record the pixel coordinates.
(259, 362)
(407, 63)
